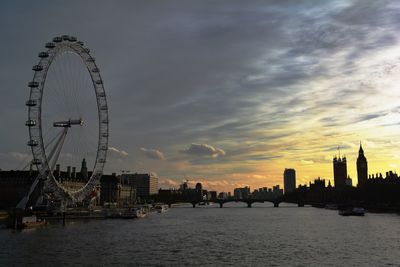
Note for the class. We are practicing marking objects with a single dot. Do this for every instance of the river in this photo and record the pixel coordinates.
(234, 235)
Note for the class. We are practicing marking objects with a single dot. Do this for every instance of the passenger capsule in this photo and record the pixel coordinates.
(30, 123)
(105, 135)
(87, 50)
(30, 103)
(32, 143)
(37, 68)
(102, 94)
(101, 161)
(33, 84)
(80, 43)
(72, 39)
(103, 108)
(99, 82)
(50, 45)
(65, 37)
(91, 59)
(95, 70)
(57, 39)
(43, 54)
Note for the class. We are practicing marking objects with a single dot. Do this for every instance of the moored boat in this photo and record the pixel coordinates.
(352, 212)
(161, 208)
(29, 222)
(139, 213)
(331, 206)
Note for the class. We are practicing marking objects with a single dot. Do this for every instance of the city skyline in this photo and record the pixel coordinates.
(282, 85)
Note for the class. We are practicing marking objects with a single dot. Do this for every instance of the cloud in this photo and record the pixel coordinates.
(115, 152)
(204, 150)
(167, 183)
(153, 153)
(307, 162)
(20, 156)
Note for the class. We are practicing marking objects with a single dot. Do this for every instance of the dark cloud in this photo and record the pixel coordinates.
(371, 116)
(204, 150)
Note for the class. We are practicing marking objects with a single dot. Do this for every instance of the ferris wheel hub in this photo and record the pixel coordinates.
(68, 123)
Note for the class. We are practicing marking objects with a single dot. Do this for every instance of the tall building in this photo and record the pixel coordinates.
(199, 187)
(241, 193)
(109, 190)
(340, 171)
(289, 180)
(237, 193)
(84, 170)
(362, 168)
(145, 184)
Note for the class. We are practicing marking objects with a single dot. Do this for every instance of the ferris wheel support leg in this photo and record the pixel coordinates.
(57, 149)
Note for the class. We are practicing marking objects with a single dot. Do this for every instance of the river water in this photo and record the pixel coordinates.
(234, 235)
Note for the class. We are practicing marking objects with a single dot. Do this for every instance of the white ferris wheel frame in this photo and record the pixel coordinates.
(60, 45)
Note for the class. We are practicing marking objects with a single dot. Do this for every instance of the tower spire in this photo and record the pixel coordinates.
(361, 150)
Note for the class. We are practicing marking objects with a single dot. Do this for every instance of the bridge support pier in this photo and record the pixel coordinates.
(300, 204)
(194, 204)
(169, 205)
(221, 205)
(276, 204)
(249, 204)
(64, 218)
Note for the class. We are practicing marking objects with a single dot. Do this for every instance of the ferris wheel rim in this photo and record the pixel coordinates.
(60, 45)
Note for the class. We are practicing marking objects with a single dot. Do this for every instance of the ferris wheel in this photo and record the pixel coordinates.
(67, 116)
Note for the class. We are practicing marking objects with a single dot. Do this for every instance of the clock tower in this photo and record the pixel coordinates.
(362, 168)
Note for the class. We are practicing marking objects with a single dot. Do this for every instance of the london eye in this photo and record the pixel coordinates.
(67, 118)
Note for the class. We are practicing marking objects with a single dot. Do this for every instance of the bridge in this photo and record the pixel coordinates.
(221, 202)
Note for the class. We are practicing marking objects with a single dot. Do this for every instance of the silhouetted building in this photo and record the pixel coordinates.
(213, 194)
(339, 171)
(241, 193)
(289, 180)
(113, 192)
(14, 185)
(183, 186)
(237, 193)
(145, 184)
(277, 191)
(109, 189)
(84, 171)
(362, 168)
(199, 187)
(126, 195)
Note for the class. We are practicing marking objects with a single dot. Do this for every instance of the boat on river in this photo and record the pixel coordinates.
(331, 206)
(29, 222)
(161, 208)
(139, 212)
(130, 213)
(352, 212)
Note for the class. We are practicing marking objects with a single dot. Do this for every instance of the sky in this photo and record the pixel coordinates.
(228, 93)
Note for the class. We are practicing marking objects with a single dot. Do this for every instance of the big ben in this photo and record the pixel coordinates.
(362, 168)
